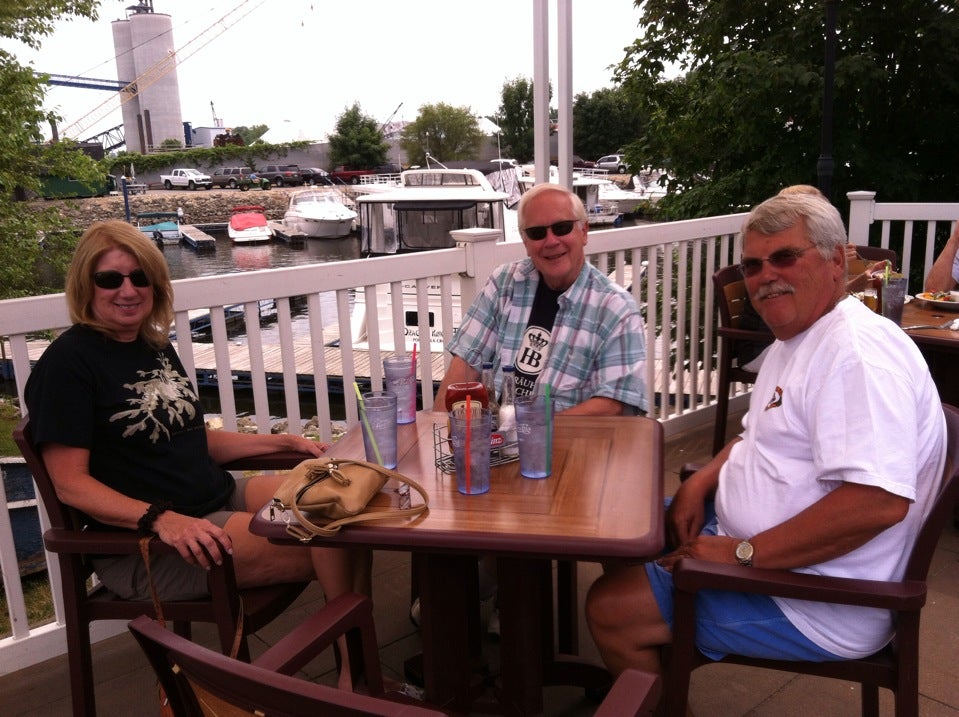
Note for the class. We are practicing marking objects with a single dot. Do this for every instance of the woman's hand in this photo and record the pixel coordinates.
(305, 445)
(198, 541)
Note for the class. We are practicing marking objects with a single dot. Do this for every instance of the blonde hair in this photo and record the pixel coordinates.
(96, 241)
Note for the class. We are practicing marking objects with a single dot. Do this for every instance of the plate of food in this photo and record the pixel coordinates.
(948, 300)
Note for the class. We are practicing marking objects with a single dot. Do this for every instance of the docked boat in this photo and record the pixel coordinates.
(161, 227)
(320, 214)
(248, 225)
(587, 187)
(430, 203)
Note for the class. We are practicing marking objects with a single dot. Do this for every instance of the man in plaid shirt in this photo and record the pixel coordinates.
(554, 317)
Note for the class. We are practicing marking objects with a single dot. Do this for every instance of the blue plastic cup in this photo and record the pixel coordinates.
(534, 430)
(400, 377)
(478, 451)
(378, 418)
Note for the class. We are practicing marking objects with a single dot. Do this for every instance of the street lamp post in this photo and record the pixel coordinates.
(825, 165)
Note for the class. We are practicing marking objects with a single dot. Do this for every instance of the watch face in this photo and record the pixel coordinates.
(744, 552)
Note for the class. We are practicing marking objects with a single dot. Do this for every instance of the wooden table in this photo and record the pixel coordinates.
(940, 347)
(603, 501)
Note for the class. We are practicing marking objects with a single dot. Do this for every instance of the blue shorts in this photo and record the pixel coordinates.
(738, 623)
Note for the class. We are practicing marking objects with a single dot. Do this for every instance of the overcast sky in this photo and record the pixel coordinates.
(299, 64)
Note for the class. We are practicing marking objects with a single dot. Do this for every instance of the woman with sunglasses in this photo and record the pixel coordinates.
(121, 429)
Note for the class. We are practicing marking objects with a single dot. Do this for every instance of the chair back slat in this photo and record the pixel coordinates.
(942, 508)
(735, 302)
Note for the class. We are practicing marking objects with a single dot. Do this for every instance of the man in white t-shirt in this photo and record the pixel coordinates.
(838, 463)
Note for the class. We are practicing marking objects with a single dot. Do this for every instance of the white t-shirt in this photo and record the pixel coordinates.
(849, 399)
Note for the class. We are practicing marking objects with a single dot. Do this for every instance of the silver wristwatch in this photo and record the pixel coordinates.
(744, 553)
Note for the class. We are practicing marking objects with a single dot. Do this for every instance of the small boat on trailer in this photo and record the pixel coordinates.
(248, 225)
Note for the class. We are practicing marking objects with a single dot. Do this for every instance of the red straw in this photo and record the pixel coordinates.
(414, 358)
(468, 447)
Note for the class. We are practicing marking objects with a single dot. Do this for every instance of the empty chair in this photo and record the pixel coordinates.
(730, 289)
(200, 681)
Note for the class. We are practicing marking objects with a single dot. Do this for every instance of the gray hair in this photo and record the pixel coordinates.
(575, 203)
(821, 221)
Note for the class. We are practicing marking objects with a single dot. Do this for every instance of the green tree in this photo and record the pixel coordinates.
(251, 134)
(357, 142)
(745, 118)
(515, 119)
(34, 244)
(605, 121)
(446, 132)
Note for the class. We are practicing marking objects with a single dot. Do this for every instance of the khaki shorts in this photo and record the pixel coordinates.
(175, 579)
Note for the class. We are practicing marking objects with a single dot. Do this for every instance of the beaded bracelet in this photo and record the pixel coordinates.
(146, 521)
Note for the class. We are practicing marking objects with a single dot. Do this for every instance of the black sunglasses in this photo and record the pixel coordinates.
(114, 279)
(782, 259)
(559, 229)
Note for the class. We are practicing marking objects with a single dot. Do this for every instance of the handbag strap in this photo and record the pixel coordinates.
(158, 607)
(304, 529)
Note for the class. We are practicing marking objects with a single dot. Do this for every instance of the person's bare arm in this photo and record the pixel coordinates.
(596, 406)
(226, 446)
(199, 541)
(940, 275)
(840, 522)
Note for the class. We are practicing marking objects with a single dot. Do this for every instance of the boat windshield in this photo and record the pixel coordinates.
(440, 179)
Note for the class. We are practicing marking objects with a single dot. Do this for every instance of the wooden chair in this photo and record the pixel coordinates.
(872, 254)
(730, 290)
(895, 667)
(196, 678)
(82, 606)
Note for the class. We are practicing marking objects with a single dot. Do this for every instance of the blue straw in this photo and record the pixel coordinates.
(366, 422)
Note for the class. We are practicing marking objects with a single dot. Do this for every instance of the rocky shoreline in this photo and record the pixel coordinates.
(200, 207)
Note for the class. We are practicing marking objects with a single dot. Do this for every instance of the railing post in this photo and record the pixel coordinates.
(480, 260)
(861, 206)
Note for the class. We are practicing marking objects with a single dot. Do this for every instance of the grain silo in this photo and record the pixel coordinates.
(145, 52)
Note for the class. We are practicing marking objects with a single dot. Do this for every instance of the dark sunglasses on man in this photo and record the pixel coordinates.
(782, 259)
(559, 229)
(114, 279)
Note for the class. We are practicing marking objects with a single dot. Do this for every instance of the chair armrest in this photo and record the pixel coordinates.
(633, 693)
(691, 575)
(318, 632)
(278, 460)
(102, 542)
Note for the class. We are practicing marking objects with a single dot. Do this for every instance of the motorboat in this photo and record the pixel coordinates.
(587, 188)
(248, 225)
(420, 213)
(162, 227)
(319, 214)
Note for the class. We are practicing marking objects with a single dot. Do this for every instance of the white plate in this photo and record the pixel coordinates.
(952, 305)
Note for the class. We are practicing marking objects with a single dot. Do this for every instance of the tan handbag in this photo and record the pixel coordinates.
(324, 494)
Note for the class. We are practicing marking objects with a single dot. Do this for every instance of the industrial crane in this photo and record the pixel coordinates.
(156, 71)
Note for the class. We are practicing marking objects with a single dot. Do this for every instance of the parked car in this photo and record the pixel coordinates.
(388, 168)
(315, 175)
(282, 174)
(614, 163)
(580, 163)
(241, 178)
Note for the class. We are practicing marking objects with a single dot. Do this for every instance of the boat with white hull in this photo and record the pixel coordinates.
(248, 225)
(319, 214)
(430, 203)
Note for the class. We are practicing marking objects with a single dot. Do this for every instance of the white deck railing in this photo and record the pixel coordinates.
(668, 267)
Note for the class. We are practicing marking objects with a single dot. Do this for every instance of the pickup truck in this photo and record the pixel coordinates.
(342, 175)
(186, 179)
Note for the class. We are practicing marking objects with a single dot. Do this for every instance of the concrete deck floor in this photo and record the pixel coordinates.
(125, 683)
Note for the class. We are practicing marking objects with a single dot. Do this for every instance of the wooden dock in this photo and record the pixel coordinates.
(197, 238)
(284, 233)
